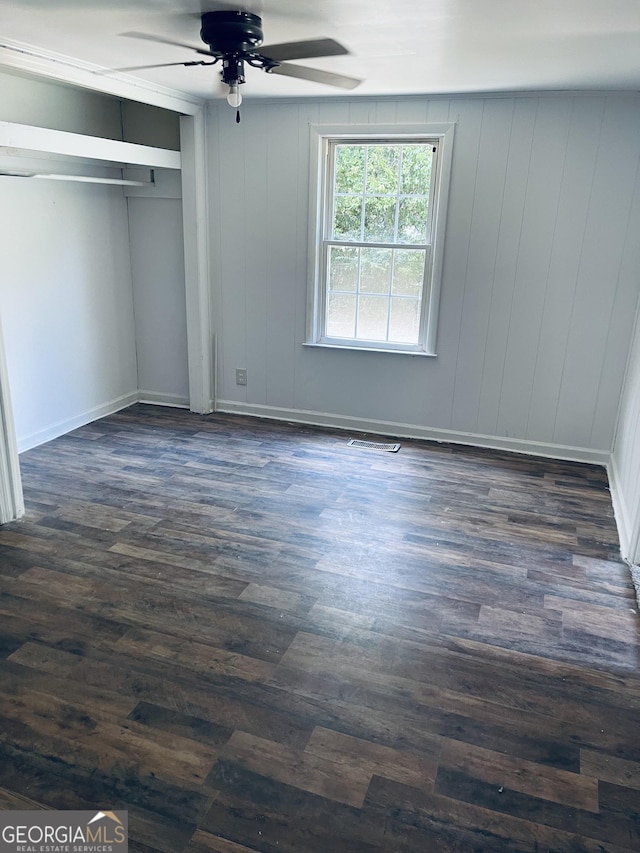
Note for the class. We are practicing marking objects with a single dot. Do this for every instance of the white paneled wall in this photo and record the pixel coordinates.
(625, 464)
(157, 270)
(540, 275)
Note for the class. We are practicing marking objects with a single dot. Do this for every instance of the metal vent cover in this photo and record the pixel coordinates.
(374, 445)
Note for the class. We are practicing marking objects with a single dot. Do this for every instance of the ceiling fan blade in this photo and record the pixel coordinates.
(316, 75)
(303, 49)
(161, 40)
(144, 67)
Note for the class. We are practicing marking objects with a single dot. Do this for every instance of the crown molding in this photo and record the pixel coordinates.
(29, 59)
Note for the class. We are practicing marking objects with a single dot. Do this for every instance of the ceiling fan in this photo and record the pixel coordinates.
(235, 38)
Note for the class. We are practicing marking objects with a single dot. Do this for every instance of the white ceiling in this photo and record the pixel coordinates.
(396, 46)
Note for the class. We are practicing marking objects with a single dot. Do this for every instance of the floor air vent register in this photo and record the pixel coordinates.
(374, 445)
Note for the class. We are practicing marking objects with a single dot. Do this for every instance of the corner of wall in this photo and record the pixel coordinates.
(620, 509)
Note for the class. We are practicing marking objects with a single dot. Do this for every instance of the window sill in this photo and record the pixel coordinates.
(348, 348)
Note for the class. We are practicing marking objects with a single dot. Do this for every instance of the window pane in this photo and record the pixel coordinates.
(341, 316)
(375, 233)
(412, 220)
(350, 160)
(372, 318)
(408, 272)
(343, 268)
(379, 219)
(404, 321)
(416, 169)
(382, 169)
(347, 216)
(375, 273)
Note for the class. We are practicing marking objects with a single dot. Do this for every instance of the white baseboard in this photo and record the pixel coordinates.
(55, 430)
(154, 398)
(344, 422)
(400, 430)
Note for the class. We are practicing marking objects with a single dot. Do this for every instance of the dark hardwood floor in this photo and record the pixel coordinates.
(255, 637)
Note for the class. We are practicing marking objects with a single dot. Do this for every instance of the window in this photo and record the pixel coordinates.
(378, 214)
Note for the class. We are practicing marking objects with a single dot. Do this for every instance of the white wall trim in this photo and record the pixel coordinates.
(11, 498)
(62, 427)
(627, 520)
(632, 553)
(196, 262)
(155, 398)
(399, 430)
(65, 69)
(629, 537)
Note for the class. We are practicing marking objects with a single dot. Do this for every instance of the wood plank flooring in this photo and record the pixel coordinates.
(255, 637)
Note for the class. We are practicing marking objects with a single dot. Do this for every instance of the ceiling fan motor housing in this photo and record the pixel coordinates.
(231, 32)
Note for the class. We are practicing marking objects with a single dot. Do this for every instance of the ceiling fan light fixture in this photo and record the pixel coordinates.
(234, 98)
(235, 38)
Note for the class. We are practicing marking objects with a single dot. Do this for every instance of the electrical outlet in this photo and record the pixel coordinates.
(241, 375)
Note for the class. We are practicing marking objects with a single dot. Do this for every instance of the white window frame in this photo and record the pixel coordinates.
(322, 138)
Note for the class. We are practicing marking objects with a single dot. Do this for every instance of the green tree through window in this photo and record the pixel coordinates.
(378, 241)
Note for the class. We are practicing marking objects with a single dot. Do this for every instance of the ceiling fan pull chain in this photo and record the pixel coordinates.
(237, 116)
